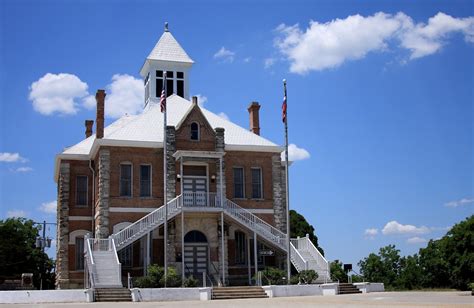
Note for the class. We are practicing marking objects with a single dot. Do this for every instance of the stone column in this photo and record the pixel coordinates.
(220, 147)
(171, 163)
(62, 255)
(279, 194)
(102, 209)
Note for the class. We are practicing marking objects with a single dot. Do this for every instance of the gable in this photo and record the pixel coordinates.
(207, 135)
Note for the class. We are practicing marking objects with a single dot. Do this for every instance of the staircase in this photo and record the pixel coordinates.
(303, 253)
(112, 295)
(305, 256)
(238, 293)
(348, 288)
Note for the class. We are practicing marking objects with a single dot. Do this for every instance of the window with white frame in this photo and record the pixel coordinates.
(81, 190)
(79, 253)
(174, 83)
(194, 131)
(145, 180)
(257, 183)
(125, 180)
(238, 182)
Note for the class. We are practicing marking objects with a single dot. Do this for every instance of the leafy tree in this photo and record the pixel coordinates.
(383, 267)
(18, 253)
(337, 271)
(411, 273)
(434, 266)
(300, 227)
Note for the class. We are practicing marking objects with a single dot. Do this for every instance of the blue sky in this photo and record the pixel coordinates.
(380, 100)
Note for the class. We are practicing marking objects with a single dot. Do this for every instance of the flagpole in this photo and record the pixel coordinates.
(165, 180)
(287, 185)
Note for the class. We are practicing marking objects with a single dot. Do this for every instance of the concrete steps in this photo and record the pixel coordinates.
(113, 295)
(238, 292)
(348, 288)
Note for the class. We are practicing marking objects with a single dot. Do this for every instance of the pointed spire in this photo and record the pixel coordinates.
(166, 27)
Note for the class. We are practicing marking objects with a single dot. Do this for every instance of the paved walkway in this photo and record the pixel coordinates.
(382, 299)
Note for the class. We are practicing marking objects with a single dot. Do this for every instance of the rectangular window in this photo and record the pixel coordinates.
(125, 180)
(79, 253)
(125, 256)
(240, 247)
(180, 75)
(159, 74)
(180, 87)
(145, 181)
(257, 183)
(81, 190)
(169, 87)
(238, 182)
(159, 87)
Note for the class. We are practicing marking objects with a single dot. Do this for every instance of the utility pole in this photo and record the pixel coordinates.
(43, 242)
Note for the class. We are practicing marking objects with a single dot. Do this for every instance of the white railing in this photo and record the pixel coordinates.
(112, 242)
(317, 262)
(89, 264)
(200, 199)
(256, 224)
(146, 224)
(298, 261)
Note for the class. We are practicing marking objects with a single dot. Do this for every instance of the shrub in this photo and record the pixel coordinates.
(308, 276)
(295, 279)
(273, 276)
(172, 279)
(144, 282)
(190, 282)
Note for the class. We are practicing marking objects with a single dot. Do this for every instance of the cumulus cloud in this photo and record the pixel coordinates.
(23, 169)
(416, 240)
(328, 45)
(456, 203)
(125, 95)
(7, 157)
(295, 153)
(16, 213)
(394, 227)
(223, 115)
(57, 94)
(371, 233)
(201, 100)
(48, 207)
(225, 55)
(89, 102)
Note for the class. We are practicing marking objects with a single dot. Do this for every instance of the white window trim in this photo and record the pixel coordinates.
(243, 182)
(87, 191)
(131, 179)
(76, 233)
(261, 183)
(199, 131)
(151, 180)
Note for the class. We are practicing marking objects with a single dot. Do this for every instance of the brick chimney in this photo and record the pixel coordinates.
(89, 124)
(254, 117)
(100, 98)
(195, 100)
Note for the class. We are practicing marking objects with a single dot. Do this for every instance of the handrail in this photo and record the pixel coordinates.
(89, 260)
(112, 242)
(255, 223)
(300, 261)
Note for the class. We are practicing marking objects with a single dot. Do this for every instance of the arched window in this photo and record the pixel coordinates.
(195, 237)
(194, 131)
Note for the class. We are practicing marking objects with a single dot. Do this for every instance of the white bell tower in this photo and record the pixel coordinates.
(169, 56)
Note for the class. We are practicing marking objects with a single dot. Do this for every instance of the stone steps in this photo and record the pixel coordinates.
(238, 292)
(348, 288)
(113, 295)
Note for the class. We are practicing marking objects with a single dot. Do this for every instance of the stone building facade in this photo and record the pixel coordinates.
(114, 177)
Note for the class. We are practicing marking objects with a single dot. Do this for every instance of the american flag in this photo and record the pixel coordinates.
(283, 109)
(163, 95)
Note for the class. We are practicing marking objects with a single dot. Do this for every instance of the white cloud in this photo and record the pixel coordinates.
(23, 169)
(89, 102)
(268, 62)
(201, 100)
(247, 60)
(416, 240)
(328, 45)
(394, 227)
(124, 96)
(225, 55)
(371, 233)
(11, 158)
(456, 203)
(49, 207)
(295, 153)
(224, 116)
(57, 93)
(16, 213)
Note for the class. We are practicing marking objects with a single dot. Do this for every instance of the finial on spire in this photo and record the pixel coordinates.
(166, 27)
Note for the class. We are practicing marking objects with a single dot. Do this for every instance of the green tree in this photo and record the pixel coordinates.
(384, 267)
(18, 253)
(337, 271)
(411, 273)
(300, 227)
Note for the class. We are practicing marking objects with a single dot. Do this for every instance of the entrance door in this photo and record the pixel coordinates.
(195, 259)
(195, 191)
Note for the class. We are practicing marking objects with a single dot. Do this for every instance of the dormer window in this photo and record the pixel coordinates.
(194, 131)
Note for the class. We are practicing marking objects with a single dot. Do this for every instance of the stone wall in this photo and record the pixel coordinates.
(170, 163)
(279, 204)
(62, 262)
(102, 208)
(220, 147)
